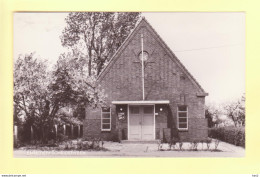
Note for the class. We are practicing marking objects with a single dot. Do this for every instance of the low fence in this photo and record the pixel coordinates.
(23, 134)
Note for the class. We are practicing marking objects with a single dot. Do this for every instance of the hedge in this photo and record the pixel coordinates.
(230, 134)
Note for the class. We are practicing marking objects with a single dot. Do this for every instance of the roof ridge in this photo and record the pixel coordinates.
(179, 62)
(117, 51)
(164, 45)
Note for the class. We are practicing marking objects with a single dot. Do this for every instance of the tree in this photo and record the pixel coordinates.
(97, 35)
(31, 96)
(209, 117)
(213, 114)
(71, 72)
(40, 94)
(236, 111)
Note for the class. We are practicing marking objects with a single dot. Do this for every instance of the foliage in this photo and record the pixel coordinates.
(213, 114)
(231, 134)
(216, 144)
(236, 111)
(16, 115)
(160, 144)
(84, 90)
(61, 137)
(79, 112)
(37, 97)
(202, 143)
(91, 144)
(31, 93)
(208, 142)
(40, 94)
(180, 143)
(194, 145)
(97, 34)
(172, 143)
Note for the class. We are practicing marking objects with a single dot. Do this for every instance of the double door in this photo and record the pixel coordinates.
(141, 122)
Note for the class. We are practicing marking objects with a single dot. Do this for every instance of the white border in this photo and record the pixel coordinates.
(134, 175)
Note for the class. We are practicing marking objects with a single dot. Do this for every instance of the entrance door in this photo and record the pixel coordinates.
(141, 122)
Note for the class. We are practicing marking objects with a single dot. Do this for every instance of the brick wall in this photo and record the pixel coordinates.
(92, 129)
(165, 79)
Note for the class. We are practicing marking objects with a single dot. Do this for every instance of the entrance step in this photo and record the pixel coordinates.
(140, 141)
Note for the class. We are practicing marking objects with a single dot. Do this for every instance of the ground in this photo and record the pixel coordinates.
(139, 150)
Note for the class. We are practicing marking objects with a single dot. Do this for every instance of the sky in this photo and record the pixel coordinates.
(210, 45)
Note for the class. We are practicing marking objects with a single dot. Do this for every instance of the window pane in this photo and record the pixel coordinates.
(134, 110)
(182, 114)
(182, 108)
(106, 121)
(106, 115)
(148, 109)
(182, 125)
(182, 120)
(105, 109)
(106, 126)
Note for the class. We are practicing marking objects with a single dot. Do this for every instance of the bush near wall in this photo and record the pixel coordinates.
(230, 134)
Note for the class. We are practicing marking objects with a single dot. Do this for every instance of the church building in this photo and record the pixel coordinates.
(150, 94)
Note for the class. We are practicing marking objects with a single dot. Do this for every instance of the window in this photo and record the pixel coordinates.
(134, 110)
(105, 119)
(182, 117)
(148, 110)
(145, 54)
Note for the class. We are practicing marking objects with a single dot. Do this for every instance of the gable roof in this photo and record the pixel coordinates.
(144, 22)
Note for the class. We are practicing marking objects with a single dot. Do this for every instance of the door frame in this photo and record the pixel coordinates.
(128, 113)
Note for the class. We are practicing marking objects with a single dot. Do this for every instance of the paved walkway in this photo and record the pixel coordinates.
(139, 150)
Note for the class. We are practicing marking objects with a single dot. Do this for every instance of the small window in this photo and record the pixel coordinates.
(105, 119)
(145, 56)
(148, 110)
(182, 117)
(134, 110)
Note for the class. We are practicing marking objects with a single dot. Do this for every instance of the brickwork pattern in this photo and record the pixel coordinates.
(164, 80)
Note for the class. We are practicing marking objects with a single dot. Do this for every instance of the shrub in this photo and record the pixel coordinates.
(208, 142)
(79, 144)
(216, 144)
(68, 145)
(160, 145)
(230, 134)
(61, 137)
(180, 145)
(194, 145)
(191, 145)
(172, 143)
(91, 143)
(17, 144)
(202, 142)
(85, 145)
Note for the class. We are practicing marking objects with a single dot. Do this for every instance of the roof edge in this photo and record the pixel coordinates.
(120, 48)
(100, 76)
(143, 102)
(178, 61)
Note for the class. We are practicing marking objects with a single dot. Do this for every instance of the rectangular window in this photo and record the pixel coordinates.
(182, 117)
(148, 110)
(105, 119)
(134, 110)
